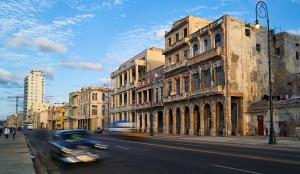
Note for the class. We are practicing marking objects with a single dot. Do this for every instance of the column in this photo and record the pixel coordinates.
(143, 122)
(128, 77)
(181, 84)
(136, 74)
(147, 95)
(213, 120)
(201, 119)
(174, 121)
(142, 93)
(192, 122)
(155, 120)
(166, 122)
(118, 81)
(182, 128)
(128, 98)
(191, 79)
(227, 115)
(148, 121)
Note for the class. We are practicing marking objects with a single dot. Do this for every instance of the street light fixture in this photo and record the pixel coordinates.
(262, 12)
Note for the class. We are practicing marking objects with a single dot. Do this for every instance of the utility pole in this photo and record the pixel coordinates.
(17, 101)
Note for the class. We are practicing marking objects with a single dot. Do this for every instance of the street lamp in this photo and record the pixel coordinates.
(262, 12)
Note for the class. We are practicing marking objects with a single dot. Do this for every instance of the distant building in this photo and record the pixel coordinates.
(34, 91)
(88, 108)
(125, 80)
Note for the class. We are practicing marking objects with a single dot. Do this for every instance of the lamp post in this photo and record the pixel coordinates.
(262, 12)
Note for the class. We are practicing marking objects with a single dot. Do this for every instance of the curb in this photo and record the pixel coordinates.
(39, 168)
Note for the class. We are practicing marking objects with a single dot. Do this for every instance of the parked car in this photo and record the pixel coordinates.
(75, 146)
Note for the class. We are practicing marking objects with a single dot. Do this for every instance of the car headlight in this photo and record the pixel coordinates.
(100, 146)
(66, 150)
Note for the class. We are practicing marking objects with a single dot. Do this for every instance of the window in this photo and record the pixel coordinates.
(150, 94)
(94, 96)
(133, 97)
(247, 32)
(277, 51)
(120, 101)
(297, 55)
(156, 94)
(170, 60)
(218, 40)
(258, 48)
(103, 97)
(94, 109)
(169, 87)
(178, 86)
(185, 32)
(297, 45)
(206, 45)
(186, 84)
(177, 58)
(207, 78)
(185, 54)
(140, 97)
(103, 109)
(196, 81)
(145, 96)
(169, 40)
(177, 37)
(195, 49)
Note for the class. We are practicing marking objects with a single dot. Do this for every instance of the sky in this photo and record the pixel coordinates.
(78, 43)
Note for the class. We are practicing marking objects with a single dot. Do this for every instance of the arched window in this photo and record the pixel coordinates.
(103, 97)
(218, 40)
(196, 49)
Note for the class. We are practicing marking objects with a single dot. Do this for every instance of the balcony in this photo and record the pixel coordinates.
(175, 66)
(143, 106)
(205, 56)
(177, 44)
(176, 97)
(206, 92)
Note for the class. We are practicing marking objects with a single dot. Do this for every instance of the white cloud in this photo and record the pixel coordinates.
(123, 16)
(134, 41)
(105, 81)
(48, 72)
(235, 13)
(194, 9)
(41, 43)
(93, 5)
(295, 31)
(7, 79)
(81, 65)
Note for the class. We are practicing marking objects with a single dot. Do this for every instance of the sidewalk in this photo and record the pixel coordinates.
(15, 156)
(283, 143)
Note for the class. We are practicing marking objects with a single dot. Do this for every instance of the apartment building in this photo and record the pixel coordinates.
(34, 91)
(125, 81)
(89, 107)
(149, 105)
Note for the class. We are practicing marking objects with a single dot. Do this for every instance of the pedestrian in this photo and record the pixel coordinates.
(1, 131)
(6, 132)
(267, 131)
(14, 132)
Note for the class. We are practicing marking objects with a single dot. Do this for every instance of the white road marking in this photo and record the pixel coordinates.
(236, 169)
(122, 147)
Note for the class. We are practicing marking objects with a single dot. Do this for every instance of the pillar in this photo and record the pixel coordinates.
(143, 121)
(227, 115)
(174, 121)
(136, 74)
(166, 122)
(201, 119)
(182, 128)
(155, 121)
(213, 120)
(192, 121)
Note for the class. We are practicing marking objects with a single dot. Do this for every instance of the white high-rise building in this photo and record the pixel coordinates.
(34, 91)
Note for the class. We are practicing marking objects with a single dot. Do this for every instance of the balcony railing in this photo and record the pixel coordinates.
(205, 56)
(176, 97)
(176, 44)
(175, 66)
(207, 91)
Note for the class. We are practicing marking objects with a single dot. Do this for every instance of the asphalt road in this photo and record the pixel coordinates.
(139, 156)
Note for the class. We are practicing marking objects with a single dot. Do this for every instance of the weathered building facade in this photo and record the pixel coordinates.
(149, 105)
(89, 108)
(212, 74)
(125, 81)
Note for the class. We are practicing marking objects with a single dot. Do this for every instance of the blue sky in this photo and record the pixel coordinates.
(78, 43)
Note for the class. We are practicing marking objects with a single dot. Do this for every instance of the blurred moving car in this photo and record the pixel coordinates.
(124, 129)
(75, 146)
(98, 131)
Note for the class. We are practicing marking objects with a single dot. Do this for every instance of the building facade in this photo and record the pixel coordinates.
(34, 91)
(125, 81)
(89, 107)
(149, 105)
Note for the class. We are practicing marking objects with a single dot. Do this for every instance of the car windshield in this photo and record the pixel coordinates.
(75, 135)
